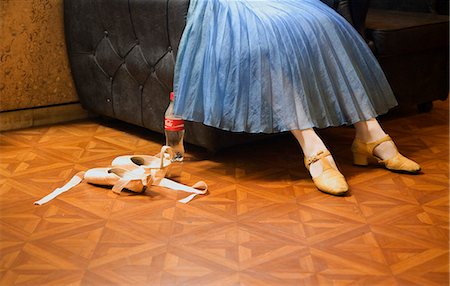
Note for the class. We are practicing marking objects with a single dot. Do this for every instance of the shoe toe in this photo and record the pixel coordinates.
(401, 163)
(331, 182)
(135, 186)
(100, 176)
(412, 166)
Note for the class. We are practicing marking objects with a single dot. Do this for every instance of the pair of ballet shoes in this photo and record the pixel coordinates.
(134, 173)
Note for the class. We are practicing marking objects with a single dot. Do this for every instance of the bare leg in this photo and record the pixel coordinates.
(370, 131)
(311, 143)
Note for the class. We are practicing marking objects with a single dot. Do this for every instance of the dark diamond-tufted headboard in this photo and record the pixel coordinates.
(122, 55)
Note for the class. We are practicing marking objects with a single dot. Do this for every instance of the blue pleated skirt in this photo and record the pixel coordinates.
(275, 65)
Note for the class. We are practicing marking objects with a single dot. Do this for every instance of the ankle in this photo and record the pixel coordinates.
(368, 137)
(309, 141)
(385, 150)
(369, 131)
(316, 168)
(313, 146)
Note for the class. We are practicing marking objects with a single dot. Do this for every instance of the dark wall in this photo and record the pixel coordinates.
(428, 6)
(442, 7)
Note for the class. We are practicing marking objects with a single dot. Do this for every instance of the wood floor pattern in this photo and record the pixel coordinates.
(263, 222)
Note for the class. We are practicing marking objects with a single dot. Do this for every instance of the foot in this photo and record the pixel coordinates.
(325, 174)
(385, 152)
(316, 168)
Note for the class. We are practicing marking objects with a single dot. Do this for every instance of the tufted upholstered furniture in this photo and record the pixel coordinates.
(122, 55)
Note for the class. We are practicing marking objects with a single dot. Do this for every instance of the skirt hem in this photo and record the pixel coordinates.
(366, 117)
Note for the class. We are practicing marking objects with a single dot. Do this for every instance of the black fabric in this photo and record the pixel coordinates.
(359, 10)
(419, 77)
(342, 7)
(442, 7)
(424, 6)
(354, 11)
(121, 58)
(177, 12)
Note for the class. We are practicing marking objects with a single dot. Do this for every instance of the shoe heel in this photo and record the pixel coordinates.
(360, 159)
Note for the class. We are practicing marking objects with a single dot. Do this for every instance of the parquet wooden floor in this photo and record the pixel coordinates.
(263, 222)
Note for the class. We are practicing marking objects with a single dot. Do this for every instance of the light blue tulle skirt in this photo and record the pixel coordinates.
(275, 65)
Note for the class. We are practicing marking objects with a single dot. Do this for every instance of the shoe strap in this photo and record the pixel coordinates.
(120, 185)
(165, 150)
(136, 174)
(69, 185)
(199, 188)
(372, 145)
(321, 154)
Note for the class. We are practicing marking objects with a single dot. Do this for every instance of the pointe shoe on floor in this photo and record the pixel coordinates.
(145, 161)
(118, 178)
(132, 172)
(330, 181)
(155, 166)
(362, 152)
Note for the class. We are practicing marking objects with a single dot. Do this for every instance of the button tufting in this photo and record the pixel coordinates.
(108, 100)
(106, 33)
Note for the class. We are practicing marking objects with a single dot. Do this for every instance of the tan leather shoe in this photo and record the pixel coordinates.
(330, 181)
(363, 151)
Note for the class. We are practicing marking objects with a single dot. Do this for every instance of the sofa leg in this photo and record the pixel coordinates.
(425, 107)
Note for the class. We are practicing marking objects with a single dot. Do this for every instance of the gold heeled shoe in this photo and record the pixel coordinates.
(362, 152)
(330, 181)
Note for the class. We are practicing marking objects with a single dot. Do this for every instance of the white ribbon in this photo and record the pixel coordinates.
(199, 188)
(72, 183)
(136, 174)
